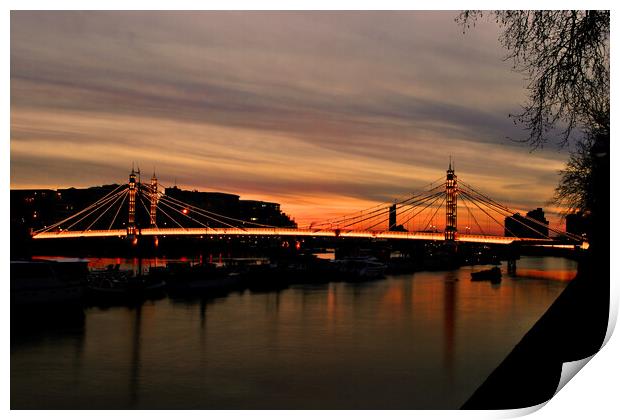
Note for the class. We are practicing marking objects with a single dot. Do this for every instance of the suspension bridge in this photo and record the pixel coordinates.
(137, 209)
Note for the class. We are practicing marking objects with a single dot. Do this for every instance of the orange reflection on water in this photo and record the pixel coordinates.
(421, 340)
(331, 303)
(393, 298)
(560, 275)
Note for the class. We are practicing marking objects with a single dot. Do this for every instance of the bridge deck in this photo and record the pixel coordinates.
(427, 236)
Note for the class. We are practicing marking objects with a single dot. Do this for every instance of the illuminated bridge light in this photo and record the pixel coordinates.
(230, 232)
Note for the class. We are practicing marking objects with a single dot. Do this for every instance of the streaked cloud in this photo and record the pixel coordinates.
(325, 112)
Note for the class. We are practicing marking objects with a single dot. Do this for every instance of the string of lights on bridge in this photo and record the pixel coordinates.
(163, 214)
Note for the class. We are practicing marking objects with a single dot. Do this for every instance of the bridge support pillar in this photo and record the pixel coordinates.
(131, 219)
(153, 197)
(451, 192)
(512, 267)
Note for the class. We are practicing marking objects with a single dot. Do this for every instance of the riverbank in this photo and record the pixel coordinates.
(573, 328)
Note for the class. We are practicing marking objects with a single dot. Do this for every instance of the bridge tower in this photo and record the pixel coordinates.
(131, 220)
(153, 193)
(451, 197)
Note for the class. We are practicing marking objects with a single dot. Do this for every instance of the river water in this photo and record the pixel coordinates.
(411, 341)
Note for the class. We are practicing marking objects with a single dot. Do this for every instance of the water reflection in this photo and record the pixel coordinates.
(449, 317)
(423, 340)
(134, 377)
(31, 334)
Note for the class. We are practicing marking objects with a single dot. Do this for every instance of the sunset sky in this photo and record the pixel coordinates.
(323, 112)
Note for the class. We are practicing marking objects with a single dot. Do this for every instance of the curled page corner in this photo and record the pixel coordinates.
(614, 298)
(570, 369)
(519, 412)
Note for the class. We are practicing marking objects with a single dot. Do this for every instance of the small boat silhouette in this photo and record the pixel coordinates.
(494, 275)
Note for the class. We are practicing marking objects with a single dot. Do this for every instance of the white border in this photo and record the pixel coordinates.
(593, 393)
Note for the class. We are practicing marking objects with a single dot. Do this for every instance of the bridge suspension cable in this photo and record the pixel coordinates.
(170, 217)
(473, 217)
(474, 202)
(145, 207)
(173, 204)
(430, 201)
(96, 209)
(165, 203)
(119, 210)
(121, 194)
(414, 201)
(373, 209)
(443, 200)
(535, 231)
(410, 202)
(96, 203)
(170, 204)
(510, 213)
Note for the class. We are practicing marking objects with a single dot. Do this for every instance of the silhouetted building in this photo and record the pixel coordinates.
(34, 208)
(216, 202)
(392, 221)
(524, 227)
(264, 213)
(40, 208)
(577, 224)
(392, 218)
(251, 211)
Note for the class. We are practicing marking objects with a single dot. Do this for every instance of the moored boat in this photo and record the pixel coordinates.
(361, 268)
(199, 278)
(494, 275)
(113, 283)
